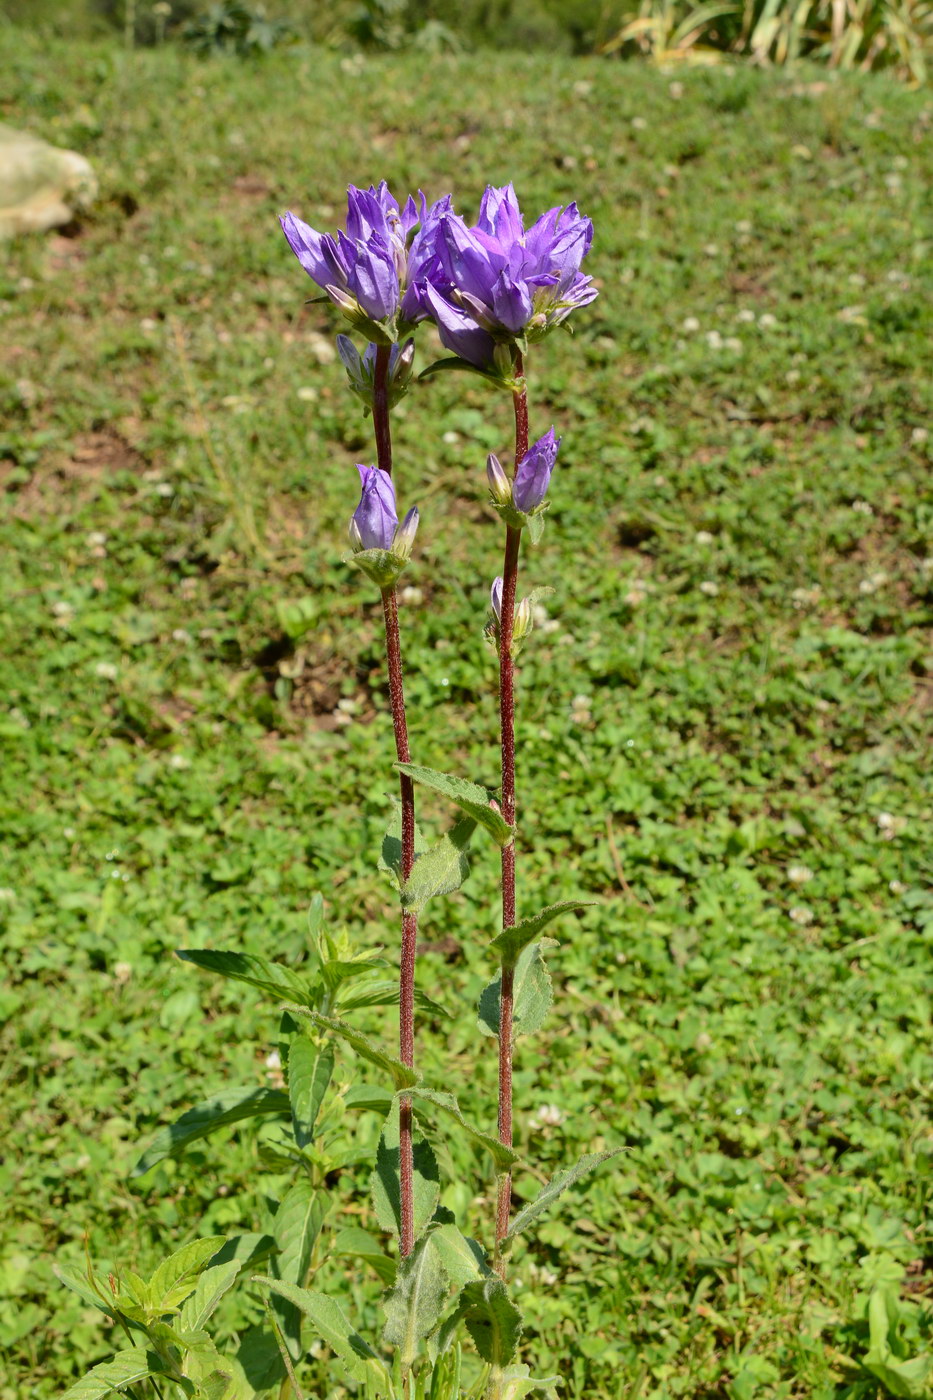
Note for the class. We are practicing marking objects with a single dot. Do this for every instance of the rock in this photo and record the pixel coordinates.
(41, 186)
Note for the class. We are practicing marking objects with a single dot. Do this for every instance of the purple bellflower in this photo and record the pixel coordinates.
(374, 524)
(375, 272)
(533, 473)
(512, 284)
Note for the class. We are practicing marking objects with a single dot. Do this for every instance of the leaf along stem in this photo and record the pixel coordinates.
(507, 728)
(407, 794)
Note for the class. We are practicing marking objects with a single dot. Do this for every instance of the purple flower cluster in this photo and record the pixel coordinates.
(493, 284)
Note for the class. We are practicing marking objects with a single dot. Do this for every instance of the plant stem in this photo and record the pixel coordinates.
(406, 999)
(513, 540)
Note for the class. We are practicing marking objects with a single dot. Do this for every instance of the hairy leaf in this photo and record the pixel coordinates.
(385, 993)
(402, 1076)
(77, 1280)
(558, 1183)
(369, 1096)
(414, 1305)
(273, 978)
(355, 1243)
(491, 1318)
(390, 858)
(211, 1287)
(258, 1355)
(510, 942)
(462, 1257)
(386, 1184)
(357, 1357)
(442, 869)
(532, 993)
(515, 1382)
(297, 1225)
(126, 1368)
(469, 797)
(246, 1249)
(310, 1066)
(503, 1156)
(175, 1277)
(229, 1106)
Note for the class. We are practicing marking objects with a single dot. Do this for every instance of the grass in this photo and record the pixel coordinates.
(722, 731)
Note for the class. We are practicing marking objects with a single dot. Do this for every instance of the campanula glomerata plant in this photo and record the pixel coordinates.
(493, 290)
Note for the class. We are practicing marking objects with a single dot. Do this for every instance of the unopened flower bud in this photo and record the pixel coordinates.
(499, 485)
(374, 520)
(348, 304)
(405, 535)
(402, 361)
(533, 473)
(524, 621)
(495, 597)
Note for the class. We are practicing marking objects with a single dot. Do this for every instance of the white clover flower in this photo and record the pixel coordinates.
(801, 915)
(179, 762)
(799, 874)
(747, 315)
(862, 508)
(919, 436)
(122, 972)
(733, 343)
(767, 321)
(549, 1115)
(273, 1060)
(106, 671)
(714, 340)
(704, 537)
(7, 896)
(709, 587)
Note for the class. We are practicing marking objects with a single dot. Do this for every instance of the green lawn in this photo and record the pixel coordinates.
(723, 726)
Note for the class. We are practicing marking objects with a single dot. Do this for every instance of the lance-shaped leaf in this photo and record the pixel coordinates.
(368, 1096)
(126, 1368)
(357, 1357)
(532, 993)
(401, 1075)
(515, 1382)
(211, 1287)
(463, 1258)
(354, 1243)
(390, 857)
(78, 1281)
(469, 797)
(558, 1183)
(229, 1106)
(310, 1066)
(246, 1249)
(511, 941)
(385, 993)
(297, 1225)
(259, 1358)
(176, 1276)
(414, 1305)
(273, 978)
(386, 1184)
(491, 1318)
(502, 1156)
(442, 869)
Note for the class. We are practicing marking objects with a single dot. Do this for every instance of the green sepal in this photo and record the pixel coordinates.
(503, 1157)
(386, 1184)
(273, 978)
(536, 522)
(356, 1355)
(510, 942)
(381, 565)
(413, 1308)
(441, 869)
(229, 1106)
(126, 1368)
(531, 996)
(453, 362)
(469, 797)
(402, 1076)
(558, 1183)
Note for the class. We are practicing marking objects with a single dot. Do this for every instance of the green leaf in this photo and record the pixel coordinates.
(907, 1379)
(536, 526)
(77, 1280)
(469, 797)
(511, 941)
(354, 1243)
(463, 1258)
(492, 1320)
(175, 1277)
(297, 1225)
(211, 1287)
(126, 1368)
(390, 858)
(386, 1185)
(532, 993)
(270, 977)
(357, 1357)
(515, 1382)
(369, 1096)
(453, 362)
(259, 1357)
(413, 1307)
(442, 869)
(385, 993)
(229, 1106)
(401, 1075)
(309, 1067)
(558, 1183)
(246, 1249)
(213, 1387)
(503, 1156)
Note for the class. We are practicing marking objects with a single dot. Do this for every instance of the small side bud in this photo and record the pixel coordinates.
(524, 621)
(404, 539)
(348, 304)
(502, 360)
(495, 597)
(500, 488)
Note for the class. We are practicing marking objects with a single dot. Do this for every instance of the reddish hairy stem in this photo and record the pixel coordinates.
(406, 1000)
(507, 727)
